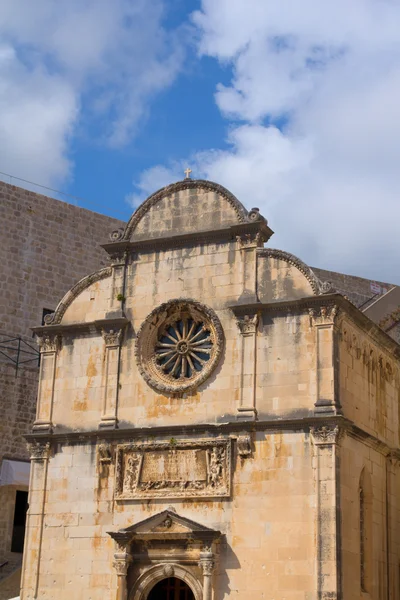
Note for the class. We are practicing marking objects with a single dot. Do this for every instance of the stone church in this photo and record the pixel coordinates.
(213, 422)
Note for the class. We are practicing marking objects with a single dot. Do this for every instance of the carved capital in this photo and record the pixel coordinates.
(49, 342)
(244, 445)
(39, 451)
(207, 563)
(325, 315)
(250, 240)
(121, 563)
(112, 337)
(324, 435)
(248, 324)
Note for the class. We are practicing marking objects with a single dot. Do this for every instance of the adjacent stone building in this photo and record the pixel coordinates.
(213, 421)
(45, 246)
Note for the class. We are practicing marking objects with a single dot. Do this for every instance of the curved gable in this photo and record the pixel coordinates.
(283, 276)
(65, 313)
(185, 207)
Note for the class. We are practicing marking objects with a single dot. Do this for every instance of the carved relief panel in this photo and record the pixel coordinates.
(175, 469)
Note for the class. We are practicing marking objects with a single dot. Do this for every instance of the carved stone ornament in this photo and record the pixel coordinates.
(112, 337)
(116, 235)
(323, 315)
(250, 240)
(182, 469)
(325, 434)
(207, 566)
(179, 345)
(105, 453)
(244, 445)
(39, 451)
(248, 324)
(168, 571)
(49, 342)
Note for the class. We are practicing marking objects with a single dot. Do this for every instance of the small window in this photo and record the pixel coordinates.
(18, 535)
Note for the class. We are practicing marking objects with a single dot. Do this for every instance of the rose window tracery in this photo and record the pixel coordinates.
(183, 348)
(178, 345)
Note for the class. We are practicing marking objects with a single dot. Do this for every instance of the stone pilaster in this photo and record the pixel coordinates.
(325, 438)
(122, 560)
(40, 453)
(323, 320)
(112, 339)
(207, 564)
(248, 328)
(49, 345)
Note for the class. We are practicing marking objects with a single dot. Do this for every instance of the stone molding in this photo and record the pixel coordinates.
(317, 285)
(136, 473)
(147, 339)
(156, 573)
(56, 317)
(185, 184)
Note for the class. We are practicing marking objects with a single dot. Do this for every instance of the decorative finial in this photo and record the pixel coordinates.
(187, 173)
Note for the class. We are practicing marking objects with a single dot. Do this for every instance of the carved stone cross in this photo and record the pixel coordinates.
(187, 173)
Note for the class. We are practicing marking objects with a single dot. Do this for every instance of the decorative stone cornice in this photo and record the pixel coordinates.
(39, 451)
(116, 323)
(49, 342)
(317, 285)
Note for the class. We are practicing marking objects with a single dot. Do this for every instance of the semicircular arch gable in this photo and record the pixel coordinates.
(237, 210)
(78, 288)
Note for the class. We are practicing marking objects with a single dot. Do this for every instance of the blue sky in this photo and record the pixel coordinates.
(292, 106)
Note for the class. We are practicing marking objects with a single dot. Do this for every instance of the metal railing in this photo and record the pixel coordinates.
(18, 351)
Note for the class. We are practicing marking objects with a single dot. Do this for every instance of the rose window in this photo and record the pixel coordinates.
(183, 348)
(178, 345)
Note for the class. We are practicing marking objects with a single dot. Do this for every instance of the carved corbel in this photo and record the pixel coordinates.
(244, 445)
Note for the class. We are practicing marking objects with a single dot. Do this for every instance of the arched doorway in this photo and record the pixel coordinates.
(171, 588)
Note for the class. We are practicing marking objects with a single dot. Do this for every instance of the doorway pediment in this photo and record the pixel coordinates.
(166, 525)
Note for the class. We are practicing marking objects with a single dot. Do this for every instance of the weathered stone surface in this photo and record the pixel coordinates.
(133, 482)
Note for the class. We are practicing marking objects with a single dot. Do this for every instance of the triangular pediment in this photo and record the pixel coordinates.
(165, 525)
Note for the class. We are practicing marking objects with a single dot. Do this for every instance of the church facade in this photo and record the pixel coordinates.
(212, 422)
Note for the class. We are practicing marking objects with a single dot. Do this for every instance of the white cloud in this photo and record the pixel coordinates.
(329, 183)
(76, 63)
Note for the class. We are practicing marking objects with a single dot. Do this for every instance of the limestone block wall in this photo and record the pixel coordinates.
(382, 557)
(279, 376)
(269, 523)
(369, 384)
(45, 247)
